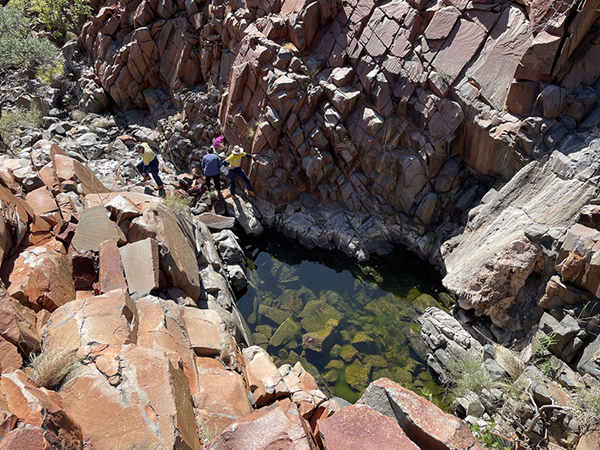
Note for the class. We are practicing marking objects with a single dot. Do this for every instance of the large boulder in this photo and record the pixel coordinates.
(150, 405)
(276, 424)
(111, 319)
(41, 277)
(179, 264)
(423, 422)
(489, 263)
(360, 427)
(36, 419)
(266, 383)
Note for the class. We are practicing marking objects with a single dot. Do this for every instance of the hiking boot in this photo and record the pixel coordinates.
(252, 193)
(233, 197)
(162, 186)
(146, 178)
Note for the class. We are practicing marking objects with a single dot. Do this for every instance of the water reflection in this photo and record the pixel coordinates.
(348, 323)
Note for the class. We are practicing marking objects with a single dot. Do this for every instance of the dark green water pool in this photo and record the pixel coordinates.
(348, 323)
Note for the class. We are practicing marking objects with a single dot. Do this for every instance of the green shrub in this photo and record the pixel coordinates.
(19, 48)
(19, 118)
(61, 16)
(50, 72)
(544, 343)
(486, 437)
(176, 203)
(469, 375)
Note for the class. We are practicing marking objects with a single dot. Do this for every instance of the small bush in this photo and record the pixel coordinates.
(509, 361)
(19, 48)
(50, 72)
(50, 367)
(544, 343)
(19, 118)
(486, 437)
(176, 203)
(469, 375)
(61, 16)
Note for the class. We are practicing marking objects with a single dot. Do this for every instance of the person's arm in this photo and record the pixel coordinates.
(248, 155)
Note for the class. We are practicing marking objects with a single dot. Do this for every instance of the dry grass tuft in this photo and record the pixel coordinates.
(50, 367)
(509, 361)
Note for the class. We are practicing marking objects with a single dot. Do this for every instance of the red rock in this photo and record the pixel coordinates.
(442, 23)
(121, 209)
(222, 397)
(10, 359)
(461, 45)
(303, 388)
(161, 328)
(94, 227)
(205, 330)
(68, 169)
(266, 383)
(360, 427)
(536, 64)
(180, 265)
(48, 178)
(111, 273)
(39, 408)
(522, 96)
(423, 422)
(25, 437)
(84, 269)
(18, 323)
(150, 407)
(111, 318)
(7, 179)
(278, 425)
(139, 200)
(42, 279)
(64, 231)
(495, 68)
(41, 201)
(66, 206)
(140, 262)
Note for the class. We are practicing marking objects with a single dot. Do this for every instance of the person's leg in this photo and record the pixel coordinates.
(246, 180)
(140, 167)
(153, 168)
(207, 182)
(217, 180)
(232, 176)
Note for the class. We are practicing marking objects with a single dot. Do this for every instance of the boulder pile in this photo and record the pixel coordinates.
(129, 306)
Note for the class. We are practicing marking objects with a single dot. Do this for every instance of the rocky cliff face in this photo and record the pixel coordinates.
(377, 122)
(380, 122)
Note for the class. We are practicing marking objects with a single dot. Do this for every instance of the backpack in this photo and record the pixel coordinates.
(195, 191)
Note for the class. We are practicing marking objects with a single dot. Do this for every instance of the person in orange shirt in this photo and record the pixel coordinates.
(235, 170)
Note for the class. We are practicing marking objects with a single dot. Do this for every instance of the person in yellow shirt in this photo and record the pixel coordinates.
(148, 164)
(235, 170)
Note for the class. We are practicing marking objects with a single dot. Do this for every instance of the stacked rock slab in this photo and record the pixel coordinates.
(115, 290)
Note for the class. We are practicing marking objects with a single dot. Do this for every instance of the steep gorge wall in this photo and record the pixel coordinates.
(393, 117)
(376, 122)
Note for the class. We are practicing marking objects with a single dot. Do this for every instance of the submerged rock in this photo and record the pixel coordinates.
(319, 341)
(286, 332)
(357, 376)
